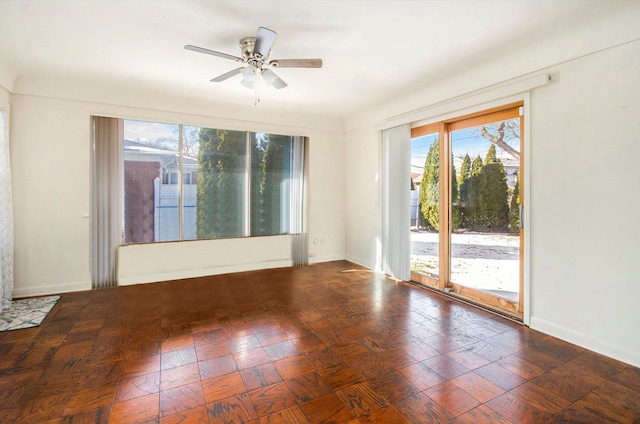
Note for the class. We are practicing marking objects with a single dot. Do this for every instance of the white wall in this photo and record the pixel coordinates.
(50, 155)
(362, 194)
(50, 181)
(6, 80)
(142, 263)
(584, 206)
(4, 98)
(5, 104)
(584, 232)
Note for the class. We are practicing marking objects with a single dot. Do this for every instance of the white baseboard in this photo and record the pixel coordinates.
(152, 278)
(586, 341)
(361, 262)
(328, 258)
(51, 289)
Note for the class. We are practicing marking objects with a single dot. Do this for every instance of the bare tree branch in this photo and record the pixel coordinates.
(498, 140)
(514, 130)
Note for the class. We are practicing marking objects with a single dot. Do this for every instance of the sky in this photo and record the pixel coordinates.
(165, 136)
(463, 141)
(144, 131)
(149, 131)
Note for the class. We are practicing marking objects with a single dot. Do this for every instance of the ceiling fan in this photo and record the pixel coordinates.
(255, 54)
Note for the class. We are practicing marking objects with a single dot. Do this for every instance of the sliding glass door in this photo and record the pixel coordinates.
(471, 220)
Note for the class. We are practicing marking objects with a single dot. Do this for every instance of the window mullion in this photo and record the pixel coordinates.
(247, 187)
(444, 242)
(180, 180)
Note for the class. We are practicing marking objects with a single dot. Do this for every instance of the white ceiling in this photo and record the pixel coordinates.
(372, 50)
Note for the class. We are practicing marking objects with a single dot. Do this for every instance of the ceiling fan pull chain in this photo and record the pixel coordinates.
(257, 82)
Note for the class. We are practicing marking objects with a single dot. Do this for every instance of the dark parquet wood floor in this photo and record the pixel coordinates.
(330, 343)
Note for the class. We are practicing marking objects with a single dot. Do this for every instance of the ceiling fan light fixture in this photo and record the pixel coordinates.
(249, 73)
(269, 77)
(272, 79)
(248, 83)
(249, 76)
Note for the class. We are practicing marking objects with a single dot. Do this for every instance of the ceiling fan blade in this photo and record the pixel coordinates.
(264, 41)
(213, 53)
(227, 75)
(272, 79)
(296, 63)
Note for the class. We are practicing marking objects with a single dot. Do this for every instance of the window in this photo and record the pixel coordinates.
(233, 183)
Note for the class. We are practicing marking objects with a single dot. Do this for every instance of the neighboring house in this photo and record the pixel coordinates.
(511, 168)
(415, 197)
(151, 177)
(417, 179)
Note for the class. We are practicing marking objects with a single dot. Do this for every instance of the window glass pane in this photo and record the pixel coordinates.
(485, 188)
(425, 194)
(222, 181)
(190, 150)
(234, 183)
(150, 159)
(270, 183)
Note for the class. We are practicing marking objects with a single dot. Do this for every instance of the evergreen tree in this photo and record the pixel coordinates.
(456, 217)
(514, 207)
(430, 187)
(494, 203)
(465, 180)
(221, 162)
(270, 163)
(473, 187)
(476, 166)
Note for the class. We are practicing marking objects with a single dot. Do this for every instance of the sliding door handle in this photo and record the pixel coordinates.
(521, 213)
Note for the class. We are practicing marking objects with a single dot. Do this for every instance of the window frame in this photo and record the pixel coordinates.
(182, 179)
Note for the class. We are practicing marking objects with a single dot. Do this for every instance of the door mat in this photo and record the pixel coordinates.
(26, 313)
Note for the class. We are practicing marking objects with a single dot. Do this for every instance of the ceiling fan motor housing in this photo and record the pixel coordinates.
(246, 46)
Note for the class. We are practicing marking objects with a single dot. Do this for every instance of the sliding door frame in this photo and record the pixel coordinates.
(508, 109)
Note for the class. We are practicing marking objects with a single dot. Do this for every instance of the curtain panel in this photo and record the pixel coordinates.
(299, 238)
(396, 198)
(106, 199)
(6, 217)
(296, 224)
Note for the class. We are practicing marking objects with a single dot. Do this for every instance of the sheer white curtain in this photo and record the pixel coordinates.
(6, 217)
(106, 199)
(396, 213)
